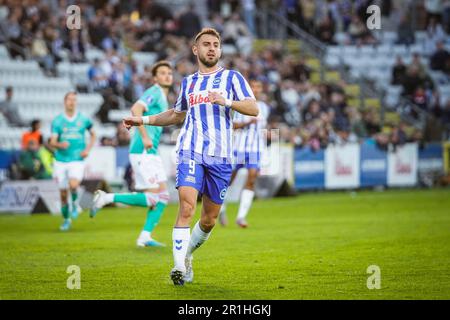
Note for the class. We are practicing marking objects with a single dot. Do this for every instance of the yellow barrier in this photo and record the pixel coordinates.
(446, 157)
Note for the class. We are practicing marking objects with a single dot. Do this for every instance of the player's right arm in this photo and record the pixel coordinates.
(172, 116)
(137, 110)
(162, 119)
(54, 137)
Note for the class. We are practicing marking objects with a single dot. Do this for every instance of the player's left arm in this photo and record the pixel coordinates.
(243, 98)
(92, 139)
(246, 106)
(240, 124)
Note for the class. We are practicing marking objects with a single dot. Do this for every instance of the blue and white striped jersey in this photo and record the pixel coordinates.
(250, 139)
(208, 128)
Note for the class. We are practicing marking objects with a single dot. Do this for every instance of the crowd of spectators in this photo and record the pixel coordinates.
(307, 114)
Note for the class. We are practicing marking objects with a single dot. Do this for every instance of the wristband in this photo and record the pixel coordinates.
(228, 102)
(146, 120)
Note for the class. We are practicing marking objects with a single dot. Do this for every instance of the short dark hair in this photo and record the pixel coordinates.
(157, 65)
(9, 89)
(34, 123)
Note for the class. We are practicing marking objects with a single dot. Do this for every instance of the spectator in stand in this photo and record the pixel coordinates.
(189, 22)
(41, 53)
(10, 109)
(398, 135)
(412, 81)
(405, 32)
(76, 47)
(107, 142)
(398, 71)
(420, 99)
(446, 114)
(446, 15)
(440, 58)
(308, 12)
(30, 164)
(435, 33)
(326, 30)
(34, 134)
(98, 79)
(248, 12)
(417, 62)
(235, 32)
(433, 9)
(371, 122)
(357, 30)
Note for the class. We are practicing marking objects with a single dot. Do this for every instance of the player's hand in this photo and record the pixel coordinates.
(84, 154)
(129, 122)
(216, 98)
(148, 143)
(64, 145)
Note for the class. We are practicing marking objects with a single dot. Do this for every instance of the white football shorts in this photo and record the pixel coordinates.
(65, 171)
(148, 170)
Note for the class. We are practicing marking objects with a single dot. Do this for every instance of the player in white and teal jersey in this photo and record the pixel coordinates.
(68, 138)
(149, 175)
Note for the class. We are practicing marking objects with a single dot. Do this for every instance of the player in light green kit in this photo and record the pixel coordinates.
(68, 138)
(149, 175)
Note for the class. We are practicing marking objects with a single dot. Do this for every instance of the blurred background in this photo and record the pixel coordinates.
(351, 107)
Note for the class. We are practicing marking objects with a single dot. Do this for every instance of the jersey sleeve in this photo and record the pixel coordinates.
(181, 103)
(55, 128)
(146, 99)
(88, 123)
(241, 88)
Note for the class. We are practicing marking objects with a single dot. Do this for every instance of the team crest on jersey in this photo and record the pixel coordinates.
(216, 81)
(149, 99)
(223, 193)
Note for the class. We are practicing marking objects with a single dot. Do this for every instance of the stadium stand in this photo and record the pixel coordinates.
(327, 77)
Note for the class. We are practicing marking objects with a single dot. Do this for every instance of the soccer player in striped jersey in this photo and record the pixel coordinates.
(205, 106)
(149, 176)
(248, 145)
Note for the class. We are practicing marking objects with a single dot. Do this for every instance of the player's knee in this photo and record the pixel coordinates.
(73, 185)
(207, 223)
(164, 196)
(250, 184)
(63, 197)
(186, 209)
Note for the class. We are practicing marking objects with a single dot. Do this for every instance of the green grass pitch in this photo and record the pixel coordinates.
(315, 246)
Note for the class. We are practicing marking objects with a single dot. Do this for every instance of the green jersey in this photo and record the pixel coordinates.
(73, 131)
(154, 101)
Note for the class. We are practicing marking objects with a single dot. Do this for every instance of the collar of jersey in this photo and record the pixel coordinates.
(75, 115)
(209, 73)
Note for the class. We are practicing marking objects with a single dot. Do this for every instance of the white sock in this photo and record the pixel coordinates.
(180, 237)
(109, 198)
(145, 235)
(198, 236)
(246, 202)
(223, 208)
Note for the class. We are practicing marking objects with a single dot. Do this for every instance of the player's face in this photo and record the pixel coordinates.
(70, 102)
(164, 76)
(207, 49)
(256, 87)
